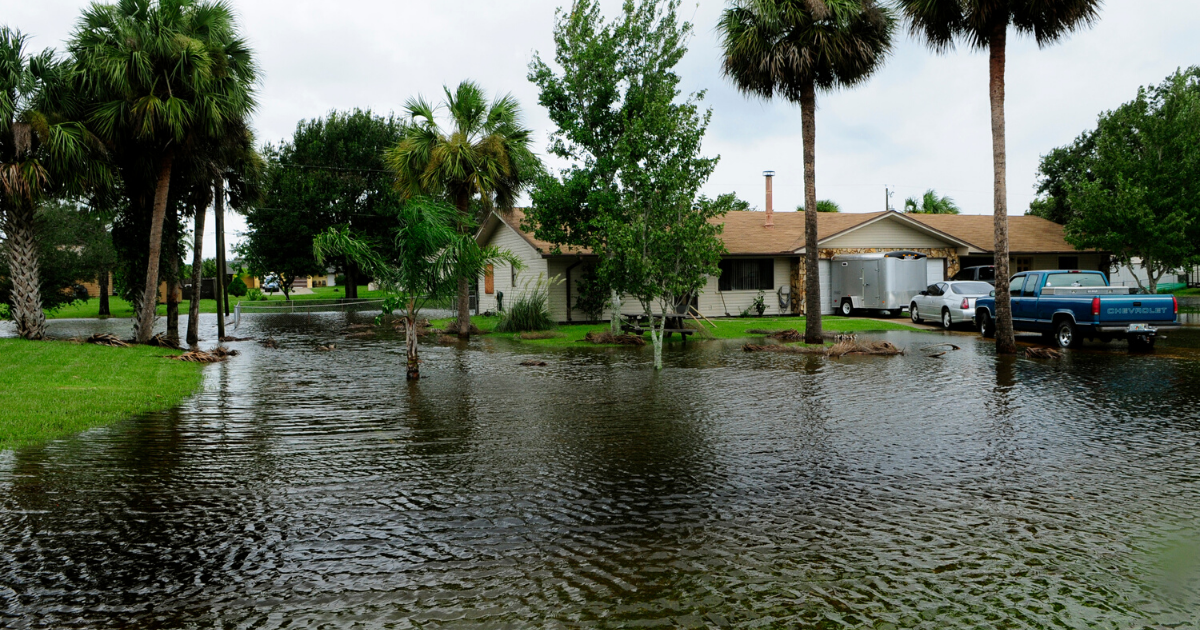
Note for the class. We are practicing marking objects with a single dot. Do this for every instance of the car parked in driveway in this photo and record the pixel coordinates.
(986, 273)
(950, 303)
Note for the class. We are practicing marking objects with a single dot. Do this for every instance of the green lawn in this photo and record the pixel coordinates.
(1194, 291)
(727, 328)
(49, 389)
(121, 308)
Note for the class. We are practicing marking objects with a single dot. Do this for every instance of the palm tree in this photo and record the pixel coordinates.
(930, 203)
(44, 152)
(791, 49)
(484, 155)
(430, 256)
(983, 25)
(162, 75)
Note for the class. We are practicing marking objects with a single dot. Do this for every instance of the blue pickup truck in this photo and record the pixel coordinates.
(1070, 306)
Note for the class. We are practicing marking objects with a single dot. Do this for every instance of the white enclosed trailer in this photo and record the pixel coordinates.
(876, 282)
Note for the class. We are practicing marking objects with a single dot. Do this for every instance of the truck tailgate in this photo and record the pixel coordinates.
(1122, 309)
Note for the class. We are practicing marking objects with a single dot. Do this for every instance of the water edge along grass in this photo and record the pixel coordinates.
(51, 389)
(726, 328)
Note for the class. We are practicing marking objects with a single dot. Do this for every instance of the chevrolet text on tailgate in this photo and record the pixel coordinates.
(1070, 306)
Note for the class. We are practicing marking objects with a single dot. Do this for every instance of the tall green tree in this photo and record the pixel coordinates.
(1137, 193)
(930, 203)
(72, 244)
(1055, 170)
(161, 76)
(611, 77)
(482, 156)
(45, 152)
(429, 255)
(983, 25)
(791, 49)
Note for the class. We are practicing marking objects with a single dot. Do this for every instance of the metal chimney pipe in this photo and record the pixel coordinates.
(769, 175)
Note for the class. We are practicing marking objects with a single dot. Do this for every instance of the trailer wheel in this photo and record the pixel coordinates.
(986, 328)
(847, 308)
(1065, 334)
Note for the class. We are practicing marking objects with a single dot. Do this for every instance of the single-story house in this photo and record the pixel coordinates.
(767, 258)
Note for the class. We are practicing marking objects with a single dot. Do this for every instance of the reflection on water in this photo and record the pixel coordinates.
(306, 488)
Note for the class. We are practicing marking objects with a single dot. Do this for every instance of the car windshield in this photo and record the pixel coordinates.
(987, 273)
(971, 288)
(1075, 280)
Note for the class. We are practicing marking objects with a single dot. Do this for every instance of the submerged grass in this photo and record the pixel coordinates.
(49, 389)
(726, 328)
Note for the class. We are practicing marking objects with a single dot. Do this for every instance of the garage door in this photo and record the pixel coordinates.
(936, 269)
(826, 288)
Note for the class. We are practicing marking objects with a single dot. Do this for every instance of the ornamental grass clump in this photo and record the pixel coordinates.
(530, 311)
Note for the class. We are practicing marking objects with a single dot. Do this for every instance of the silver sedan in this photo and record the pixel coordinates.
(950, 302)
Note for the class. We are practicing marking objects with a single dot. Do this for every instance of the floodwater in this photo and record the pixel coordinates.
(318, 489)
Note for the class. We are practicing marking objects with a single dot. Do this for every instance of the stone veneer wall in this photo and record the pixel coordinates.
(798, 266)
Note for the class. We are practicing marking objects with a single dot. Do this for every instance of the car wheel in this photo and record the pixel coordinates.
(947, 322)
(847, 308)
(914, 313)
(1065, 335)
(986, 328)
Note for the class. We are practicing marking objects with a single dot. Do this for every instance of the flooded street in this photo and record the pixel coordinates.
(318, 489)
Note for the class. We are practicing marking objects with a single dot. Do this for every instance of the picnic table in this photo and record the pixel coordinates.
(674, 324)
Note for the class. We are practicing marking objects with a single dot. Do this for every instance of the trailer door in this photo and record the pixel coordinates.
(935, 270)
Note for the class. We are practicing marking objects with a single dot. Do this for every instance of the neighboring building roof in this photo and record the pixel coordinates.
(745, 232)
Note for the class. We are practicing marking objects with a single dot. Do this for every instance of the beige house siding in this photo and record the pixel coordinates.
(507, 239)
(887, 234)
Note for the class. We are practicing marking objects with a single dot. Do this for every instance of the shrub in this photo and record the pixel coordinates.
(531, 308)
(340, 279)
(255, 295)
(237, 288)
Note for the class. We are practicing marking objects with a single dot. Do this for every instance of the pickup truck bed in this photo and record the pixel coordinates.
(1070, 306)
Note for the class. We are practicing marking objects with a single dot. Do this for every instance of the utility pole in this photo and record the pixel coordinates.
(219, 212)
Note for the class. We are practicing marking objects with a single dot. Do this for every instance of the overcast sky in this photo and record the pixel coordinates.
(921, 122)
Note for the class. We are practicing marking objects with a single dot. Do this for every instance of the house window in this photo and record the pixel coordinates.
(489, 280)
(752, 274)
(1068, 262)
(514, 275)
(1023, 263)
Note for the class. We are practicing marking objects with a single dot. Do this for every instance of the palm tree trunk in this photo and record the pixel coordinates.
(413, 372)
(102, 281)
(812, 274)
(461, 201)
(145, 321)
(219, 215)
(173, 276)
(193, 328)
(1005, 341)
(23, 265)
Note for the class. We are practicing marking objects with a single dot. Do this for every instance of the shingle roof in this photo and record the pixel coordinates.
(1026, 234)
(746, 234)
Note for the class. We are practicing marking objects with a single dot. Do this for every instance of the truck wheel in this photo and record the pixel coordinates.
(947, 321)
(987, 329)
(847, 308)
(913, 313)
(1065, 335)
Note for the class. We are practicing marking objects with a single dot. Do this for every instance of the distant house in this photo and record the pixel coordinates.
(769, 258)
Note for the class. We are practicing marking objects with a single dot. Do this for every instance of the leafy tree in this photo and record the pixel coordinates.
(728, 202)
(1056, 169)
(1137, 193)
(791, 49)
(162, 76)
(930, 203)
(279, 238)
(824, 205)
(44, 153)
(983, 25)
(483, 157)
(609, 80)
(429, 255)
